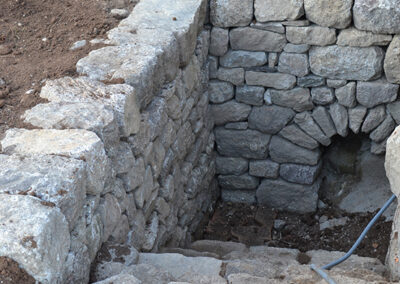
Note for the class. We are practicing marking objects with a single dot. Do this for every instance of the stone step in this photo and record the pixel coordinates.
(240, 264)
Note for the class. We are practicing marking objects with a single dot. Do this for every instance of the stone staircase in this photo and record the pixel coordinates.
(216, 262)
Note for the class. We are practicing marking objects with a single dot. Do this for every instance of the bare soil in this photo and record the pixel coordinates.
(35, 41)
(11, 273)
(253, 225)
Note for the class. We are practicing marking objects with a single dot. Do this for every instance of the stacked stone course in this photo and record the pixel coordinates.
(287, 76)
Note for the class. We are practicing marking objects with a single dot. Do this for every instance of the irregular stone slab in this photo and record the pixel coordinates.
(312, 35)
(305, 121)
(229, 112)
(378, 148)
(354, 37)
(232, 75)
(300, 173)
(328, 13)
(122, 99)
(331, 223)
(231, 14)
(270, 119)
(394, 110)
(370, 94)
(282, 151)
(346, 95)
(356, 118)
(238, 182)
(378, 16)
(392, 61)
(219, 247)
(269, 10)
(121, 279)
(213, 66)
(295, 64)
(238, 196)
(256, 40)
(340, 118)
(219, 41)
(264, 168)
(89, 116)
(286, 196)
(237, 125)
(272, 59)
(332, 83)
(231, 166)
(392, 161)
(240, 58)
(322, 95)
(383, 130)
(72, 143)
(374, 118)
(295, 135)
(235, 143)
(220, 92)
(310, 81)
(251, 95)
(272, 27)
(296, 48)
(324, 120)
(57, 180)
(344, 62)
(178, 265)
(299, 99)
(272, 80)
(298, 23)
(27, 225)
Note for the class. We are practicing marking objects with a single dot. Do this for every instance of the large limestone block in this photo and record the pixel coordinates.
(219, 41)
(338, 62)
(35, 235)
(72, 143)
(252, 39)
(240, 58)
(235, 143)
(298, 99)
(392, 161)
(328, 13)
(295, 64)
(231, 13)
(230, 112)
(270, 119)
(270, 10)
(392, 61)
(287, 196)
(59, 180)
(178, 265)
(122, 99)
(374, 93)
(234, 182)
(273, 80)
(380, 16)
(282, 151)
(313, 35)
(93, 116)
(354, 37)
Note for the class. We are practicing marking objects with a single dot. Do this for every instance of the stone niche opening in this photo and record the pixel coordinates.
(352, 178)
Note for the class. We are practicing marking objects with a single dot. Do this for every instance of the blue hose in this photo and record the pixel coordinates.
(356, 244)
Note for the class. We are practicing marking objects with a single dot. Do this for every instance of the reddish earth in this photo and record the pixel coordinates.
(11, 273)
(253, 225)
(35, 41)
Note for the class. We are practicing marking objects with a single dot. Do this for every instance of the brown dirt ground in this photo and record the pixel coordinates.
(253, 225)
(11, 273)
(35, 41)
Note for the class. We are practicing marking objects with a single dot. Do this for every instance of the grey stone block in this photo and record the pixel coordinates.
(383, 130)
(264, 168)
(241, 58)
(229, 112)
(354, 37)
(270, 119)
(251, 95)
(324, 120)
(340, 118)
(356, 118)
(238, 196)
(244, 182)
(394, 110)
(371, 94)
(346, 95)
(374, 117)
(237, 125)
(232, 75)
(322, 95)
(300, 173)
(256, 40)
(329, 14)
(312, 35)
(231, 14)
(219, 41)
(272, 27)
(231, 166)
(235, 143)
(282, 151)
(286, 196)
(220, 92)
(310, 81)
(392, 61)
(269, 10)
(296, 48)
(295, 135)
(273, 80)
(298, 99)
(332, 83)
(295, 64)
(305, 121)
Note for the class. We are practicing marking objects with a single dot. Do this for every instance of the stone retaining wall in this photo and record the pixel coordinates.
(287, 76)
(122, 154)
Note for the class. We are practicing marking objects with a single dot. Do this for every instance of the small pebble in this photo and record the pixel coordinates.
(2, 103)
(78, 44)
(5, 49)
(2, 82)
(119, 13)
(279, 224)
(4, 92)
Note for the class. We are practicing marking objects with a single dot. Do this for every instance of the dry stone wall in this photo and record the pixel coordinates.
(122, 154)
(287, 76)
